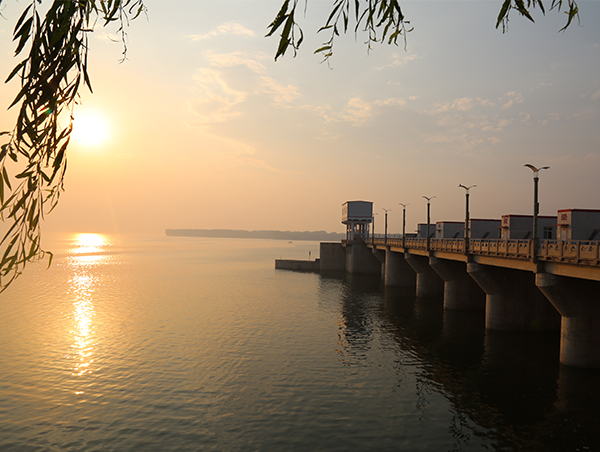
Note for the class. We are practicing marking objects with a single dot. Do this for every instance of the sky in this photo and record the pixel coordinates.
(201, 128)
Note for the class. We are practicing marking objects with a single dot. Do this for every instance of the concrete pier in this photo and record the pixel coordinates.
(381, 256)
(578, 302)
(429, 284)
(398, 272)
(298, 265)
(332, 257)
(460, 290)
(513, 302)
(555, 286)
(361, 260)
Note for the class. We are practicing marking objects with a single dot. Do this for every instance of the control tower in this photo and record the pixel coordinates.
(357, 216)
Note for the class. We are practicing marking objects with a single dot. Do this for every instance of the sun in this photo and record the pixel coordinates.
(91, 129)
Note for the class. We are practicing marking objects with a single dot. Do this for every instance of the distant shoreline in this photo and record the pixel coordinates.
(243, 234)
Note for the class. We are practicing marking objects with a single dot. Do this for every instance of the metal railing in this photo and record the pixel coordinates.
(574, 252)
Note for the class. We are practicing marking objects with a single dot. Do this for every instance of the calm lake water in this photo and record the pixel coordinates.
(188, 344)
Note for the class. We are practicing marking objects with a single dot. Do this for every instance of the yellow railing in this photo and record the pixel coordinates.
(576, 252)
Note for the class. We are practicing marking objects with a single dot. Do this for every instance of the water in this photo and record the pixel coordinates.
(191, 344)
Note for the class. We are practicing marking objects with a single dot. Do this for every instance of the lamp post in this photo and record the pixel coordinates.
(403, 224)
(536, 205)
(467, 236)
(373, 239)
(386, 212)
(428, 202)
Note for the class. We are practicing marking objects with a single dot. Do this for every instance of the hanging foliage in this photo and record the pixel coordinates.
(53, 44)
(383, 21)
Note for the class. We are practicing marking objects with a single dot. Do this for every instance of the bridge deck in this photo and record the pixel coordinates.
(578, 259)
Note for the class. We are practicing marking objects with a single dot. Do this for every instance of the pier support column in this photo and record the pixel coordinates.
(398, 272)
(429, 284)
(361, 260)
(460, 290)
(380, 255)
(578, 302)
(332, 257)
(513, 302)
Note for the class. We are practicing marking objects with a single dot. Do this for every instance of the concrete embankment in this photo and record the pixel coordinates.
(298, 265)
(332, 258)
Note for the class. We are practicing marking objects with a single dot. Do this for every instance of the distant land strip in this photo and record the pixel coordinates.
(242, 234)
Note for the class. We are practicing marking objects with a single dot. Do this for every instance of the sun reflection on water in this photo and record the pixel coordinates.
(89, 243)
(88, 254)
(89, 249)
(83, 313)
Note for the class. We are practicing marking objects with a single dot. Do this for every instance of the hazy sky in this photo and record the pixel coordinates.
(207, 131)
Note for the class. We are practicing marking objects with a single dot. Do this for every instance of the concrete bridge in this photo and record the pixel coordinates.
(556, 287)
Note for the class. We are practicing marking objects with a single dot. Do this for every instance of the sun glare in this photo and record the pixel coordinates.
(91, 129)
(88, 242)
(90, 249)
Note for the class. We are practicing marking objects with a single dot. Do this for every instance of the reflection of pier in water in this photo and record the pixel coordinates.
(518, 288)
(508, 383)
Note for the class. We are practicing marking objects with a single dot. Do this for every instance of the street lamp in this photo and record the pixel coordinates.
(403, 224)
(467, 216)
(373, 239)
(386, 212)
(536, 204)
(428, 201)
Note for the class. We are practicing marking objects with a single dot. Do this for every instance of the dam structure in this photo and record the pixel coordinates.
(522, 283)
